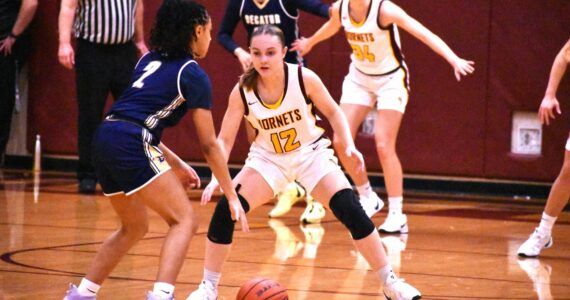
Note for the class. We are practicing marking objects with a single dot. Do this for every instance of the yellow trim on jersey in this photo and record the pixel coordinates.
(274, 105)
(357, 24)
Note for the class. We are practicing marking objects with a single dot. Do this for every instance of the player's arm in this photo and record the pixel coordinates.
(186, 174)
(318, 93)
(315, 7)
(65, 53)
(304, 45)
(550, 103)
(139, 28)
(231, 122)
(25, 16)
(390, 13)
(227, 28)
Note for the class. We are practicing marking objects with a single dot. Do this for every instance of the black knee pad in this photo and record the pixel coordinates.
(346, 208)
(221, 230)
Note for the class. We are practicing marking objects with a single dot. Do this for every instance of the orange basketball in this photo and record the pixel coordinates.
(262, 289)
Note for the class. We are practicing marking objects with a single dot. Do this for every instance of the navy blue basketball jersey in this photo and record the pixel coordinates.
(161, 92)
(281, 13)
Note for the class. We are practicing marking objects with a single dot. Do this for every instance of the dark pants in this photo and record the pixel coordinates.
(7, 99)
(100, 69)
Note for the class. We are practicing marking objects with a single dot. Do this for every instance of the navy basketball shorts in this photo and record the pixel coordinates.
(126, 157)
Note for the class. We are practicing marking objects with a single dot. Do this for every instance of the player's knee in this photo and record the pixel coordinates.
(384, 149)
(346, 208)
(221, 230)
(135, 231)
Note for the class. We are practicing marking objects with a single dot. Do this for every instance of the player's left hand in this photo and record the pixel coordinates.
(462, 67)
(302, 46)
(6, 45)
(209, 191)
(187, 176)
(356, 157)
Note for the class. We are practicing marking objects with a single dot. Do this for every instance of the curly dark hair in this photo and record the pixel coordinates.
(175, 25)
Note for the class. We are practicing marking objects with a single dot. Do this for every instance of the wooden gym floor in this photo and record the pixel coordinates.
(456, 249)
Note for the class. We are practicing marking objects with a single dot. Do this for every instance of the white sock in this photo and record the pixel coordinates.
(546, 224)
(212, 277)
(163, 289)
(88, 288)
(364, 190)
(395, 204)
(386, 272)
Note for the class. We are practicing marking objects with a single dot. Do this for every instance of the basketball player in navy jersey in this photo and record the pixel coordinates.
(283, 14)
(136, 170)
(279, 99)
(378, 79)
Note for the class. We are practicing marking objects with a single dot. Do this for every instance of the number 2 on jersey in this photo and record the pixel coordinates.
(289, 136)
(149, 69)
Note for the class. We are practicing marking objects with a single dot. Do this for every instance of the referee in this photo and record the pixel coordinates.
(108, 34)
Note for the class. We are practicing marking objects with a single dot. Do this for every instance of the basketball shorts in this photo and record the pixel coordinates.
(126, 157)
(307, 165)
(382, 92)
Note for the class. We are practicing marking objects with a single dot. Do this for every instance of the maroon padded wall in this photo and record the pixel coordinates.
(450, 128)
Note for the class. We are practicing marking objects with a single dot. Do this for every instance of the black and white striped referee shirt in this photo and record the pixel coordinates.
(105, 21)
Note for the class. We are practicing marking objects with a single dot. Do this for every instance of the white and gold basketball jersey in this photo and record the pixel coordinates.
(375, 50)
(289, 124)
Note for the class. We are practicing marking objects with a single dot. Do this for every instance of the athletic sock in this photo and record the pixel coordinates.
(364, 190)
(212, 277)
(546, 224)
(386, 272)
(88, 288)
(395, 204)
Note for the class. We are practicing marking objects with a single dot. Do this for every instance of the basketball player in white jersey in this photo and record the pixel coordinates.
(378, 79)
(278, 100)
(541, 238)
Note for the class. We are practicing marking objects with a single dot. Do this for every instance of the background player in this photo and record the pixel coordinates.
(136, 170)
(279, 100)
(378, 79)
(558, 198)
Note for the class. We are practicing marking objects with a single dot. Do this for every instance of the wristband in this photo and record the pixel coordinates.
(11, 34)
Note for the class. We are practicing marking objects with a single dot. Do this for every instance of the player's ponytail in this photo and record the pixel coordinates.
(249, 77)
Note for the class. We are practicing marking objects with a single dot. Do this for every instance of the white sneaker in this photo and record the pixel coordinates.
(371, 204)
(314, 212)
(152, 296)
(394, 223)
(535, 243)
(397, 289)
(285, 200)
(205, 291)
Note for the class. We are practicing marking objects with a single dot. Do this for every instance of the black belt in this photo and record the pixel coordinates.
(134, 122)
(383, 74)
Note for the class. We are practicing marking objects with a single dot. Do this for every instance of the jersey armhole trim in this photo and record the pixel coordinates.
(380, 16)
(285, 11)
(302, 85)
(178, 77)
(140, 59)
(246, 107)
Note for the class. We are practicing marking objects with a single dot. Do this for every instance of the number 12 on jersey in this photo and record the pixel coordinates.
(288, 136)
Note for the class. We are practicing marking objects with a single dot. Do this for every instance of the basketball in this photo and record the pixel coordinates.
(262, 289)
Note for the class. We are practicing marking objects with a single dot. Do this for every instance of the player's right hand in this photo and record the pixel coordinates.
(209, 190)
(302, 46)
(244, 58)
(547, 108)
(66, 55)
(238, 214)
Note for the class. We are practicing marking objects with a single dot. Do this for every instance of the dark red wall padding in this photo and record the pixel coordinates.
(450, 128)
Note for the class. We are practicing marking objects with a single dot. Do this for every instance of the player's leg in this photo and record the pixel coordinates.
(541, 238)
(253, 191)
(345, 206)
(386, 133)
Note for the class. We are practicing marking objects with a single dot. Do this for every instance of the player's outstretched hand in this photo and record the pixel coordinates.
(356, 157)
(462, 67)
(548, 106)
(209, 191)
(302, 46)
(238, 214)
(187, 176)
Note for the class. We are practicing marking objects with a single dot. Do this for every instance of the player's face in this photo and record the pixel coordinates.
(201, 44)
(267, 53)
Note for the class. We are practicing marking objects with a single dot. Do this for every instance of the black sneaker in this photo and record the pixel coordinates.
(87, 186)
